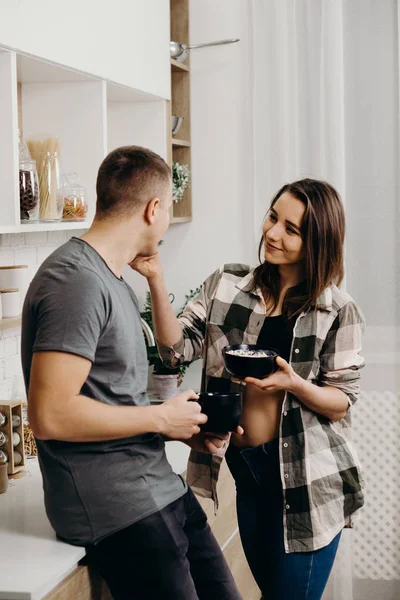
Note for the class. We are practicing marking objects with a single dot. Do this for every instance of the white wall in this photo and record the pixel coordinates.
(222, 177)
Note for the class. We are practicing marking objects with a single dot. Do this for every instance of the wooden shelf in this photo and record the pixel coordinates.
(176, 220)
(182, 143)
(177, 66)
(8, 323)
(180, 149)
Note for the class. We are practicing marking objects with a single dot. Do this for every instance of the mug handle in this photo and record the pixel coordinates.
(276, 368)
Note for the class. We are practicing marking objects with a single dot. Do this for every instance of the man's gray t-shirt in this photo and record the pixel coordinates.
(76, 304)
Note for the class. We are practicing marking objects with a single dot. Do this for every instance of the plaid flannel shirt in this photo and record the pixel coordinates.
(322, 485)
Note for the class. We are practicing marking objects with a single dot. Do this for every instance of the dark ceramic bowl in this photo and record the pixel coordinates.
(223, 411)
(250, 366)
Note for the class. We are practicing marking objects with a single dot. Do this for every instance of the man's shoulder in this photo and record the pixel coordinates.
(67, 272)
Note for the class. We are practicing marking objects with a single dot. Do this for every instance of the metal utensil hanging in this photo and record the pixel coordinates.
(180, 52)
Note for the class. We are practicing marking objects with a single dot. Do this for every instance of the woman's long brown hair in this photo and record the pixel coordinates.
(323, 231)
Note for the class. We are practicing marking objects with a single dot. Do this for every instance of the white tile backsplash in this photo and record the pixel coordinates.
(27, 249)
(6, 257)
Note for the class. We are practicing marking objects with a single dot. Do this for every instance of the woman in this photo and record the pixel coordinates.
(296, 471)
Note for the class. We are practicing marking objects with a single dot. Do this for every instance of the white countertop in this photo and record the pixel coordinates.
(32, 560)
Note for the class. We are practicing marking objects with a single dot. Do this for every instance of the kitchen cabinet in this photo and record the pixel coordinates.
(90, 116)
(123, 41)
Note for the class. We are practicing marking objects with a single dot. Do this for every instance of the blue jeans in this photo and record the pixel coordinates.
(280, 576)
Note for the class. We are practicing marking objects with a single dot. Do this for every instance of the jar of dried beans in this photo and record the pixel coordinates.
(28, 191)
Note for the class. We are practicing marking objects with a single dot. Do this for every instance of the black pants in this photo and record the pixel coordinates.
(170, 555)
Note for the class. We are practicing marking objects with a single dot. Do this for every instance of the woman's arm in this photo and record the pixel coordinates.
(166, 326)
(179, 340)
(340, 363)
(328, 401)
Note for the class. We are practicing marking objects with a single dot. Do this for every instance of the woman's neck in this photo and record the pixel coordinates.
(290, 276)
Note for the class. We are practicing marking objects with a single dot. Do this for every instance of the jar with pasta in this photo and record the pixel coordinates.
(74, 199)
(46, 153)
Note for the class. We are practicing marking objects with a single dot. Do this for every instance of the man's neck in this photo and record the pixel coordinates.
(111, 241)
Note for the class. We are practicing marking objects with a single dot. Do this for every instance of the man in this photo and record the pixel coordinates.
(107, 483)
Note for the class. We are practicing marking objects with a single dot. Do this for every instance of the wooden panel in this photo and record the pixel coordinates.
(181, 101)
(178, 66)
(10, 322)
(81, 584)
(180, 104)
(183, 208)
(180, 143)
(238, 565)
(180, 22)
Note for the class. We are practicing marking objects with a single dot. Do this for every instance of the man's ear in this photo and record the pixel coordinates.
(150, 210)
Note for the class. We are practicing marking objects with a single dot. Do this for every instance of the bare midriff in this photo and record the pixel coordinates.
(260, 417)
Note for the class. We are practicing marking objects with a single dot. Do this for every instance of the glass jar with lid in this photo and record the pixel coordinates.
(74, 199)
(28, 191)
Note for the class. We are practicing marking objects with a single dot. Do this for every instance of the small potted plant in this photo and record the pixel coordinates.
(180, 180)
(166, 380)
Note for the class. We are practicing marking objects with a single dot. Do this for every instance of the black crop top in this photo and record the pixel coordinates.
(276, 333)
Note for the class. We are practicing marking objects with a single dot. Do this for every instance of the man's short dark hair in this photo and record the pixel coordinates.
(128, 178)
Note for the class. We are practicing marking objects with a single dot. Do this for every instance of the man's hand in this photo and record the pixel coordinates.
(148, 266)
(283, 379)
(180, 417)
(212, 443)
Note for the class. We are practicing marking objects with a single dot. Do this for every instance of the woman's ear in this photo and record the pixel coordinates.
(150, 210)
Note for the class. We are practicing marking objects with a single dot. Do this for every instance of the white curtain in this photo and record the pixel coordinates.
(325, 105)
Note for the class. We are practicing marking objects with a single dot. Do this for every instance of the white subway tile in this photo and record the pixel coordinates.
(12, 332)
(36, 238)
(17, 239)
(6, 390)
(12, 367)
(19, 389)
(6, 257)
(11, 347)
(43, 252)
(57, 237)
(5, 239)
(1, 371)
(2, 349)
(25, 256)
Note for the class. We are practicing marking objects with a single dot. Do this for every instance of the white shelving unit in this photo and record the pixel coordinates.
(90, 115)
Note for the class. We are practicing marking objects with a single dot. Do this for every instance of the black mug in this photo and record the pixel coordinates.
(223, 411)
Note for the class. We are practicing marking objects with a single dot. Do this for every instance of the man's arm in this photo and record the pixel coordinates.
(58, 411)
